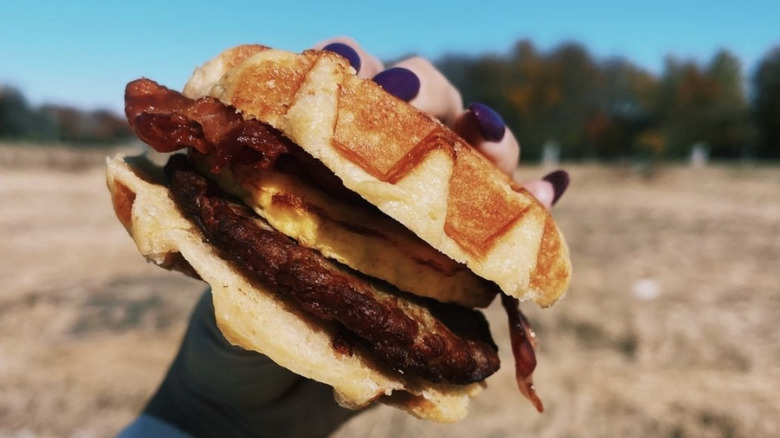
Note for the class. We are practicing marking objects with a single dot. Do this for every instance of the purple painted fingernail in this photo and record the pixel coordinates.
(560, 181)
(400, 82)
(491, 125)
(347, 52)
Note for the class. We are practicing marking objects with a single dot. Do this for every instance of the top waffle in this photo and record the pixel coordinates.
(408, 164)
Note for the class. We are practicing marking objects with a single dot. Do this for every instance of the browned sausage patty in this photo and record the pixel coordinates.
(435, 341)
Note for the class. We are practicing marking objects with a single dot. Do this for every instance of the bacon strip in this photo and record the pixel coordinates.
(168, 121)
(523, 341)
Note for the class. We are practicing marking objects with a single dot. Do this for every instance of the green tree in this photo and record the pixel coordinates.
(626, 116)
(551, 96)
(705, 104)
(579, 80)
(766, 105)
(14, 113)
(685, 96)
(729, 131)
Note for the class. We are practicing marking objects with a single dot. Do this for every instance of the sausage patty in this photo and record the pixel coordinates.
(435, 341)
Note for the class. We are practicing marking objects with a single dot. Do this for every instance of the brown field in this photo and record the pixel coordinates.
(669, 329)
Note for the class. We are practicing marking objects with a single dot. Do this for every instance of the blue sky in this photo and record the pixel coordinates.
(82, 53)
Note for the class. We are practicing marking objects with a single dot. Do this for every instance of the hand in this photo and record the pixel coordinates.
(215, 389)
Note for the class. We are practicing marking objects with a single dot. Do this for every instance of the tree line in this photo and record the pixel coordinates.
(613, 109)
(587, 108)
(21, 121)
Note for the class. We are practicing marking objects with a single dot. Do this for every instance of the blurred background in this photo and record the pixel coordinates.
(666, 114)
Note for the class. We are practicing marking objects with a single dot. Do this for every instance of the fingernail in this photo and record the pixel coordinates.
(560, 181)
(491, 125)
(400, 82)
(347, 52)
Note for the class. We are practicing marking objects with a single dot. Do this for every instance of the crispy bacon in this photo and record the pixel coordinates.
(168, 121)
(523, 341)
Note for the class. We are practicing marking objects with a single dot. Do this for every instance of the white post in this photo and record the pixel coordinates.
(700, 155)
(551, 154)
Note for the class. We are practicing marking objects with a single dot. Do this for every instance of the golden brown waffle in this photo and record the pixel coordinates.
(409, 165)
(290, 337)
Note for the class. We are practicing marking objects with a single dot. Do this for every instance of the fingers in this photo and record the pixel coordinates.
(431, 92)
(414, 80)
(484, 129)
(549, 189)
(366, 65)
(418, 82)
(253, 378)
(215, 389)
(559, 180)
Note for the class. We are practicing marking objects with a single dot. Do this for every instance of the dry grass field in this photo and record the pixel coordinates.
(669, 328)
